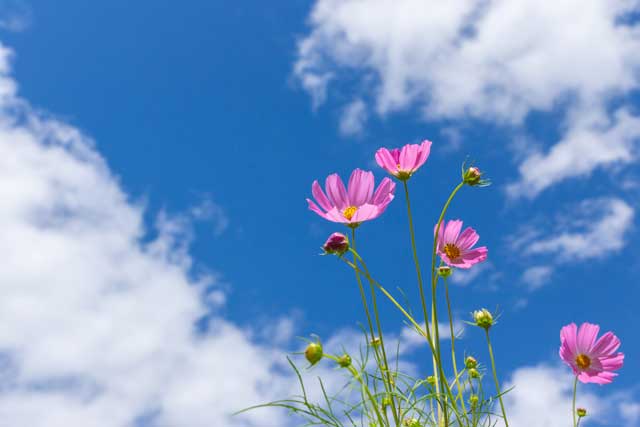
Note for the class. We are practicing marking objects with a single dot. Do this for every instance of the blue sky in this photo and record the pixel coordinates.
(214, 118)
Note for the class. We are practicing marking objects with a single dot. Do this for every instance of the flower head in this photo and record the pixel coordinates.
(592, 360)
(403, 162)
(336, 244)
(472, 176)
(354, 204)
(455, 248)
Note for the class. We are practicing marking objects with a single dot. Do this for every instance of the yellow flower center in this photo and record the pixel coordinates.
(583, 361)
(452, 251)
(349, 212)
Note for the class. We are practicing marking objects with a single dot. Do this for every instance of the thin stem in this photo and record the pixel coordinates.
(384, 367)
(495, 377)
(453, 347)
(434, 277)
(575, 389)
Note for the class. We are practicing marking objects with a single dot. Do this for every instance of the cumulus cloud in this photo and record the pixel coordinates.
(497, 61)
(602, 232)
(102, 313)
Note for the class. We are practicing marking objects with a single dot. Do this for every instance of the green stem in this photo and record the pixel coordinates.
(384, 366)
(453, 347)
(495, 378)
(364, 385)
(434, 276)
(575, 389)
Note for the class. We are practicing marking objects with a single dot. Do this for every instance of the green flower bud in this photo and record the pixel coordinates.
(470, 362)
(375, 342)
(411, 422)
(431, 380)
(313, 352)
(386, 401)
(483, 318)
(581, 412)
(473, 373)
(473, 400)
(344, 361)
(445, 271)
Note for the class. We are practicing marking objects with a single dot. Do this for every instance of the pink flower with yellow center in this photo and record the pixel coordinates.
(592, 360)
(356, 203)
(456, 248)
(403, 162)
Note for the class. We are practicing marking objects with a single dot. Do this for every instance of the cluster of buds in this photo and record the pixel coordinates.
(336, 244)
(483, 318)
(313, 352)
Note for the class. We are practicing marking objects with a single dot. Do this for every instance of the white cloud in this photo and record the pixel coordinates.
(208, 210)
(100, 318)
(594, 139)
(536, 277)
(496, 61)
(410, 339)
(594, 237)
(465, 277)
(353, 118)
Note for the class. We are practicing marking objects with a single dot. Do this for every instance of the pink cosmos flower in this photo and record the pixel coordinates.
(402, 163)
(455, 248)
(354, 205)
(591, 360)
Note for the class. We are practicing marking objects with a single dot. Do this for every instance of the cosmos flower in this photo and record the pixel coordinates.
(593, 361)
(354, 204)
(402, 163)
(455, 248)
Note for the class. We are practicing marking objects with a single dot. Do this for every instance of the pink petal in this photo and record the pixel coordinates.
(423, 154)
(360, 187)
(597, 378)
(586, 337)
(395, 154)
(336, 191)
(365, 213)
(313, 207)
(335, 215)
(568, 337)
(612, 363)
(467, 239)
(607, 344)
(320, 197)
(385, 161)
(452, 231)
(473, 257)
(384, 193)
(408, 157)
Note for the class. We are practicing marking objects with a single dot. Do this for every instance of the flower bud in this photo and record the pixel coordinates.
(344, 361)
(445, 271)
(313, 352)
(386, 401)
(581, 412)
(431, 380)
(483, 318)
(336, 244)
(375, 342)
(473, 400)
(411, 422)
(473, 373)
(473, 176)
(470, 362)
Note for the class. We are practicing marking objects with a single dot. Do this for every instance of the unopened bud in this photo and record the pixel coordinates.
(336, 244)
(470, 362)
(375, 342)
(344, 361)
(431, 380)
(483, 318)
(386, 401)
(473, 400)
(411, 422)
(473, 373)
(445, 271)
(313, 352)
(581, 412)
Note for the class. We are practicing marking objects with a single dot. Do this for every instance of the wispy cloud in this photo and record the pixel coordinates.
(353, 118)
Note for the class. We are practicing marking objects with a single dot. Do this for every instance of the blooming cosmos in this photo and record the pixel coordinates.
(354, 204)
(593, 361)
(455, 248)
(402, 163)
